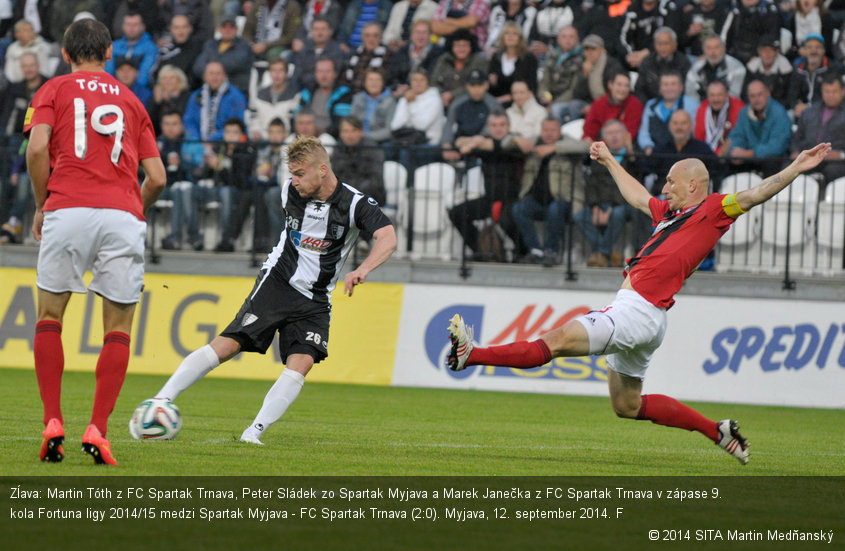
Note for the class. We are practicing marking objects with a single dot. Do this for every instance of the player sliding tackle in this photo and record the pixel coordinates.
(688, 223)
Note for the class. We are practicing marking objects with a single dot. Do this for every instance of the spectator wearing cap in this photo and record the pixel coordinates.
(136, 44)
(806, 80)
(451, 72)
(126, 72)
(231, 51)
(468, 114)
(824, 121)
(597, 69)
(510, 63)
(747, 23)
(810, 17)
(562, 70)
(770, 67)
(467, 15)
(715, 64)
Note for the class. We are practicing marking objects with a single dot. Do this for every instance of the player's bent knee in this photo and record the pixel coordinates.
(625, 408)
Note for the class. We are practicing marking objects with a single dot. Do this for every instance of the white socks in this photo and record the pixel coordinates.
(194, 367)
(280, 396)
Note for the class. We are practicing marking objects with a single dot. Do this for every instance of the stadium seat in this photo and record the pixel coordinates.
(573, 129)
(789, 217)
(831, 224)
(432, 193)
(739, 247)
(395, 181)
(785, 40)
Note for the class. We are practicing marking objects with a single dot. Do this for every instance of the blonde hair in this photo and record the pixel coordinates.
(521, 47)
(175, 71)
(307, 149)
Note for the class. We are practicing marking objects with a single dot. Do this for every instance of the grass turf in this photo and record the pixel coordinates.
(360, 430)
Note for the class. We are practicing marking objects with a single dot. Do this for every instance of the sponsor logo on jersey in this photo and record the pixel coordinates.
(308, 243)
(372, 201)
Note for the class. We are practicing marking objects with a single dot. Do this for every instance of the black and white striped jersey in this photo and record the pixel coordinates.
(319, 235)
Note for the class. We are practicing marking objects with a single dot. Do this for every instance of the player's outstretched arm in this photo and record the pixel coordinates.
(384, 243)
(633, 191)
(771, 186)
(154, 182)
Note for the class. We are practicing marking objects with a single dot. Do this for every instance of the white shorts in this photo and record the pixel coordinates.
(108, 242)
(628, 331)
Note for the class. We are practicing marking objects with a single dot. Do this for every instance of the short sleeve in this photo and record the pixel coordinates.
(41, 110)
(368, 216)
(658, 209)
(147, 146)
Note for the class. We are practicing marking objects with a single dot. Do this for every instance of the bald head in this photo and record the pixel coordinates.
(687, 183)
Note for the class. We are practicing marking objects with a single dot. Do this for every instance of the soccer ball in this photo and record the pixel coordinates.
(155, 419)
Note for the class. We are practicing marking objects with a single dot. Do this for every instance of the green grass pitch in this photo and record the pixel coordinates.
(360, 430)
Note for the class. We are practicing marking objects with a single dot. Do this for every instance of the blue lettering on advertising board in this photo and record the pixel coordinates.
(787, 347)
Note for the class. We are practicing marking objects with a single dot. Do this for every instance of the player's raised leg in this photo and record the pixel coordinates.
(280, 397)
(198, 364)
(569, 340)
(49, 366)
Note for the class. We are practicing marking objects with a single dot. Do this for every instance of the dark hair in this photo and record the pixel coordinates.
(672, 73)
(232, 121)
(718, 82)
(326, 58)
(86, 40)
(830, 77)
(304, 112)
(281, 60)
(168, 112)
(462, 34)
(612, 76)
(353, 121)
(277, 122)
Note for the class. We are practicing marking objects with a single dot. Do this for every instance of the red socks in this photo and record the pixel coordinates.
(521, 354)
(667, 411)
(111, 371)
(49, 365)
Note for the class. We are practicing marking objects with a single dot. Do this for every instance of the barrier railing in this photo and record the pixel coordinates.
(801, 230)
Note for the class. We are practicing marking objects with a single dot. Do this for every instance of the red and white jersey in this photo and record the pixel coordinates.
(681, 240)
(100, 133)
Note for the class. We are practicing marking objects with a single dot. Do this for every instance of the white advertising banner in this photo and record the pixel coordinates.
(777, 352)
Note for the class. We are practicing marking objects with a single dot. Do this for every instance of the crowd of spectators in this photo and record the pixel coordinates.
(744, 84)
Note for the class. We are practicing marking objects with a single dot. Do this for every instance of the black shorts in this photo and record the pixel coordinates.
(273, 305)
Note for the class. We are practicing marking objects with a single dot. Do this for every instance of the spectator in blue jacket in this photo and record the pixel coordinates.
(654, 129)
(212, 105)
(762, 130)
(136, 44)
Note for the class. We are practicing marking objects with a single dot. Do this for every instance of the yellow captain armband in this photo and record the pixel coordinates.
(28, 117)
(731, 207)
